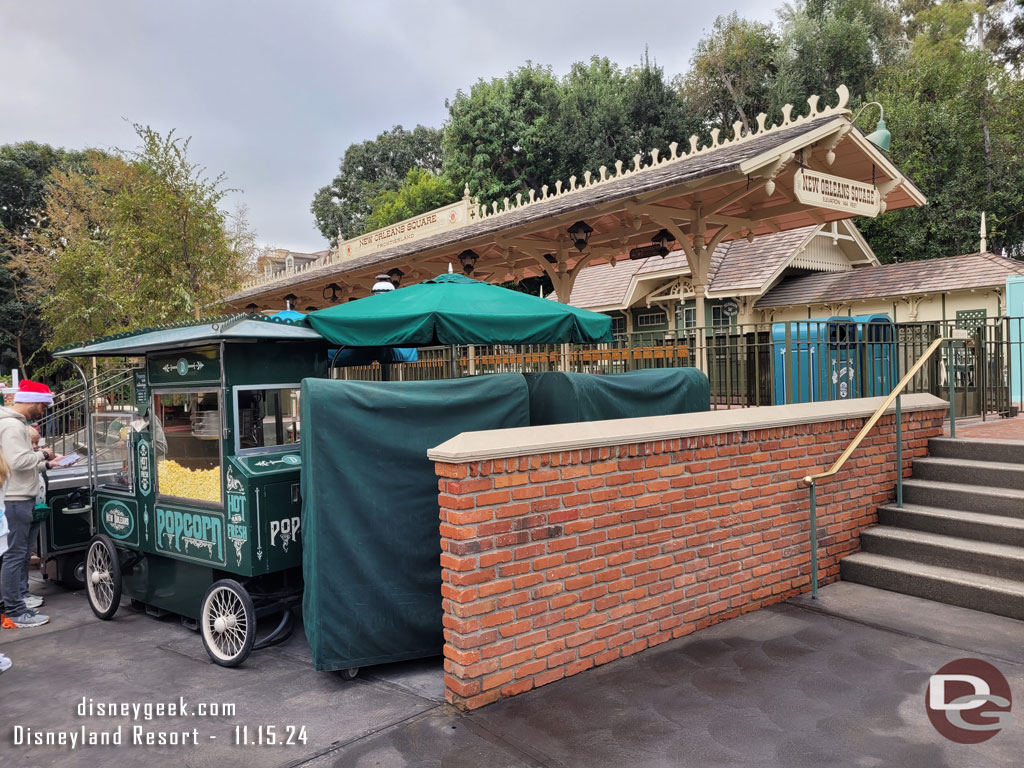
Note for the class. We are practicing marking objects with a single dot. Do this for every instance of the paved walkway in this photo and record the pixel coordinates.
(837, 682)
(992, 428)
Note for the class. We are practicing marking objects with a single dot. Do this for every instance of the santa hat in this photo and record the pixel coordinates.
(33, 392)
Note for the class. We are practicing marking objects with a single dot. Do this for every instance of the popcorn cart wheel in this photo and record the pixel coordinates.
(103, 577)
(228, 623)
(348, 674)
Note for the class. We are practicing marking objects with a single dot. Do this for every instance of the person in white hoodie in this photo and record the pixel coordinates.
(5, 472)
(30, 403)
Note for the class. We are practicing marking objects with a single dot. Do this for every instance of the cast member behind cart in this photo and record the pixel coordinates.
(30, 403)
(5, 472)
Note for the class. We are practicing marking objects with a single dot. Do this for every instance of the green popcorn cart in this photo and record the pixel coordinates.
(204, 521)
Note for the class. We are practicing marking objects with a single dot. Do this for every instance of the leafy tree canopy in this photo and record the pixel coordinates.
(369, 169)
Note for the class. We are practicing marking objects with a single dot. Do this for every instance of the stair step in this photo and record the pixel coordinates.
(970, 472)
(1002, 560)
(1003, 451)
(970, 498)
(992, 594)
(978, 526)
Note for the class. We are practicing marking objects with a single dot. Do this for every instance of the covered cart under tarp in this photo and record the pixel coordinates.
(371, 545)
(562, 398)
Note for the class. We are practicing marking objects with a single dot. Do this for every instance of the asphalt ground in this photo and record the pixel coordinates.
(836, 682)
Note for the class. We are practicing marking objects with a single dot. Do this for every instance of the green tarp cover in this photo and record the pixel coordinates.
(371, 544)
(455, 309)
(562, 398)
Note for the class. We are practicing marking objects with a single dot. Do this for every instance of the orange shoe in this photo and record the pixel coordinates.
(6, 623)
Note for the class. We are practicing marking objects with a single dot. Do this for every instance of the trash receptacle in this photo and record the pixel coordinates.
(876, 335)
(841, 340)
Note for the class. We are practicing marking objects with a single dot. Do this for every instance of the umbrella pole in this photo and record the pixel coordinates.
(455, 365)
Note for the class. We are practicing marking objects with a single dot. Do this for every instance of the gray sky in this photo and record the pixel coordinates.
(273, 92)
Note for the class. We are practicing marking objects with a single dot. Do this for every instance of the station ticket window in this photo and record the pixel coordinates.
(268, 417)
(190, 421)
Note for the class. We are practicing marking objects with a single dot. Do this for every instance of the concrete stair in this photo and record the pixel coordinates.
(959, 537)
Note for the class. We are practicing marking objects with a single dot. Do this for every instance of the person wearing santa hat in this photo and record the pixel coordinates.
(30, 404)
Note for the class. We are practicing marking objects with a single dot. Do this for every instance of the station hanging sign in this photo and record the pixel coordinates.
(417, 228)
(855, 198)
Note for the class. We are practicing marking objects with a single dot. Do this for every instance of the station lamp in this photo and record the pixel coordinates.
(880, 137)
(251, 308)
(580, 233)
(383, 284)
(662, 239)
(396, 275)
(331, 292)
(468, 260)
(289, 299)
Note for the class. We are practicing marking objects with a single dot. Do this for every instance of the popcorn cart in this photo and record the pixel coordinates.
(204, 519)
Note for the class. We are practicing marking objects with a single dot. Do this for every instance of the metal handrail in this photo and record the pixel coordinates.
(812, 480)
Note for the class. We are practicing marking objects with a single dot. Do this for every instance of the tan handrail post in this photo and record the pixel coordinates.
(812, 480)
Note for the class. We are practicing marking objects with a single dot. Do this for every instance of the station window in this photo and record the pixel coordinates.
(618, 324)
(720, 318)
(649, 319)
(688, 316)
(267, 417)
(190, 424)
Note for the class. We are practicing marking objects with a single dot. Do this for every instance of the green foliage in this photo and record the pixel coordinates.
(132, 240)
(369, 169)
(518, 133)
(827, 43)
(957, 118)
(731, 73)
(421, 191)
(24, 169)
(498, 136)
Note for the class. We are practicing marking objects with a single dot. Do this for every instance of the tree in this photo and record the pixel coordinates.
(421, 191)
(827, 43)
(368, 169)
(135, 239)
(24, 169)
(957, 118)
(530, 129)
(498, 136)
(731, 73)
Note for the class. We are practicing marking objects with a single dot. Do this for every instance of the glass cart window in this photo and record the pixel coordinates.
(111, 441)
(267, 417)
(190, 423)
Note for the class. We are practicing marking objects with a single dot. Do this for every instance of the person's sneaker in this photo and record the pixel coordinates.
(32, 601)
(5, 663)
(6, 623)
(29, 619)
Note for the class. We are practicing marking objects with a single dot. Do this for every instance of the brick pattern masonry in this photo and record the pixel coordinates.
(559, 562)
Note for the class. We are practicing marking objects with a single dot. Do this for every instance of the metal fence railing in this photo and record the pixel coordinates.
(772, 363)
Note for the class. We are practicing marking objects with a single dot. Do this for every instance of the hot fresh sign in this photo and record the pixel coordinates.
(823, 190)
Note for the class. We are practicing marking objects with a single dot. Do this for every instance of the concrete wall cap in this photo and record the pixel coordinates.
(555, 438)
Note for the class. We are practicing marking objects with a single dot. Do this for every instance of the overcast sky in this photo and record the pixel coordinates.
(273, 92)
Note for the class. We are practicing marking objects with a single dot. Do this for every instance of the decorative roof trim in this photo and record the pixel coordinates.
(480, 211)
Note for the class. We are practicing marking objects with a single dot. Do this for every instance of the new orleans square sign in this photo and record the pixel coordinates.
(836, 193)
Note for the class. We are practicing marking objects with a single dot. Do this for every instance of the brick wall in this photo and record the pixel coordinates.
(559, 561)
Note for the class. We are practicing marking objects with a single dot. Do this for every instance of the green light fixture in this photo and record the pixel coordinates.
(880, 137)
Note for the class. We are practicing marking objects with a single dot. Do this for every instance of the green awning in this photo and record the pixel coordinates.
(454, 309)
(237, 328)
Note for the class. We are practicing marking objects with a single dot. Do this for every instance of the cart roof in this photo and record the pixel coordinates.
(230, 328)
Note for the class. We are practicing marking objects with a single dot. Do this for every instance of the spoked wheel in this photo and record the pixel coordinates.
(103, 577)
(228, 623)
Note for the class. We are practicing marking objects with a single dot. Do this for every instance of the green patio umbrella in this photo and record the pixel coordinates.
(454, 309)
